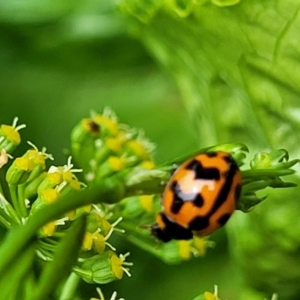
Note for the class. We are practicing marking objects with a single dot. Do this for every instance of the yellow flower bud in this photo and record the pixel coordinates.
(114, 144)
(19, 171)
(147, 202)
(49, 229)
(49, 195)
(138, 149)
(11, 134)
(184, 249)
(107, 124)
(210, 296)
(117, 163)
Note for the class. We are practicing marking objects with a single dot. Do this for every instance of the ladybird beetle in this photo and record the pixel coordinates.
(199, 198)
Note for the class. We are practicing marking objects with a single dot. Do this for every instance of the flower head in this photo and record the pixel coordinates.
(10, 136)
(104, 267)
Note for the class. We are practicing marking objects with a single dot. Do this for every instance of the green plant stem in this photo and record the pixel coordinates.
(14, 198)
(29, 286)
(44, 254)
(70, 287)
(9, 220)
(4, 189)
(50, 241)
(8, 212)
(1, 189)
(143, 245)
(18, 201)
(4, 221)
(46, 246)
(22, 204)
(262, 173)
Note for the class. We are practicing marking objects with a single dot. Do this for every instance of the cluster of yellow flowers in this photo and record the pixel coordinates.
(29, 187)
(104, 152)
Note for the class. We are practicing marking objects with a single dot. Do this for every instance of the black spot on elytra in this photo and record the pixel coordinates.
(203, 173)
(232, 163)
(223, 219)
(199, 201)
(177, 201)
(223, 194)
(199, 223)
(171, 231)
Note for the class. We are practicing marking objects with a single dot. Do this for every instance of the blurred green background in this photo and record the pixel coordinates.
(61, 59)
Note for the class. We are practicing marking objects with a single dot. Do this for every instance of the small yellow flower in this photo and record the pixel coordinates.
(97, 241)
(24, 164)
(200, 245)
(109, 124)
(118, 265)
(209, 296)
(62, 178)
(11, 132)
(67, 175)
(46, 197)
(114, 144)
(49, 195)
(148, 165)
(38, 157)
(64, 173)
(54, 177)
(76, 185)
(138, 149)
(184, 249)
(19, 171)
(71, 214)
(117, 163)
(147, 202)
(49, 228)
(87, 241)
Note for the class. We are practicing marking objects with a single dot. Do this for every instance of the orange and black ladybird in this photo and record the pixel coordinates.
(200, 197)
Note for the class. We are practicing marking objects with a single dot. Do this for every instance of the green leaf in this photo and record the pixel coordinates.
(237, 67)
(64, 259)
(13, 283)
